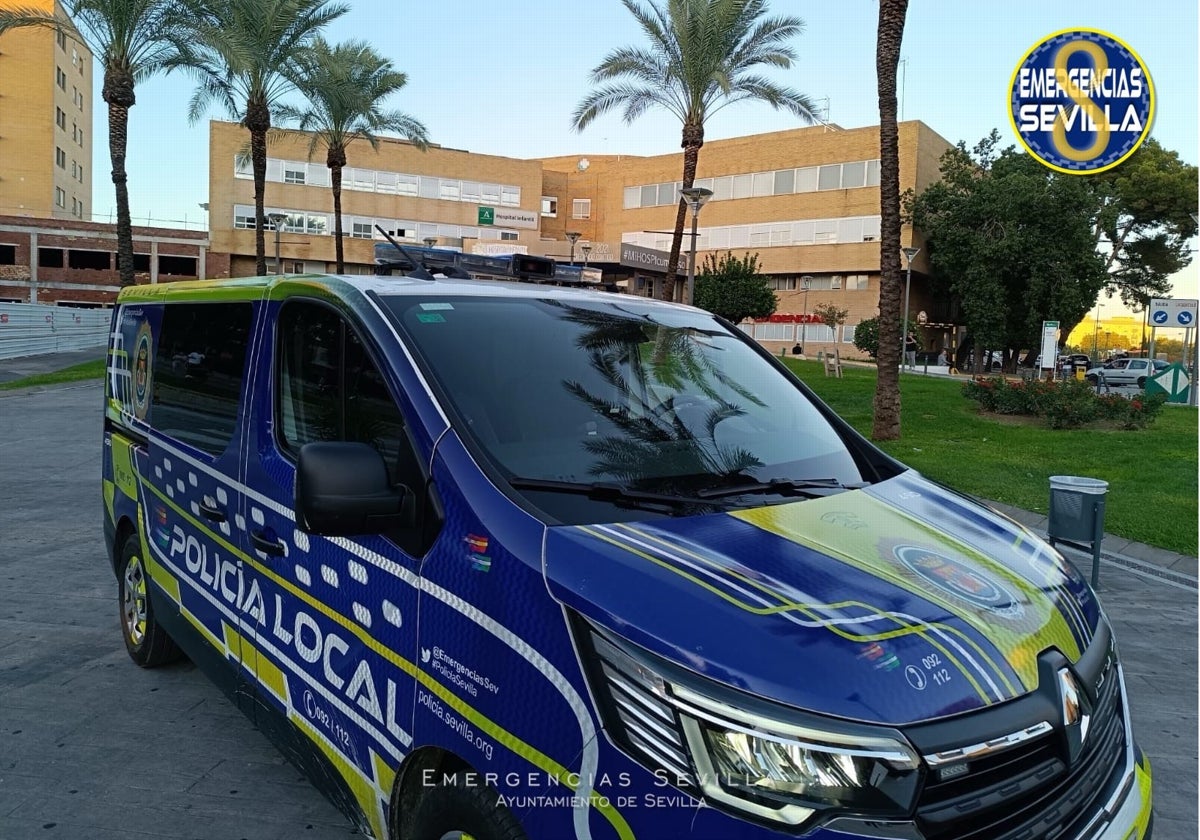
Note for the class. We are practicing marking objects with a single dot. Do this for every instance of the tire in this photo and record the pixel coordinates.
(455, 809)
(1141, 382)
(146, 641)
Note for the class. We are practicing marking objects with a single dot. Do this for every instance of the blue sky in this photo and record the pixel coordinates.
(504, 77)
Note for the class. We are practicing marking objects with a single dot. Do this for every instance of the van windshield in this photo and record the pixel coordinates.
(625, 403)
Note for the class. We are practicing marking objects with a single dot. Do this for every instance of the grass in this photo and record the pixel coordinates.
(1152, 474)
(75, 373)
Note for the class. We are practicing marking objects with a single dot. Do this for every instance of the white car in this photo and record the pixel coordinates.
(1126, 372)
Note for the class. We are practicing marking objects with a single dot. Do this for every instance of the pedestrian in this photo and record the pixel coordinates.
(943, 359)
(910, 350)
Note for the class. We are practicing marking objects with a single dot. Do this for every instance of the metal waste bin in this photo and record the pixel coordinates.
(1077, 514)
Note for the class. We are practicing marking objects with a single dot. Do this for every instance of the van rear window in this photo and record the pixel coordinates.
(198, 372)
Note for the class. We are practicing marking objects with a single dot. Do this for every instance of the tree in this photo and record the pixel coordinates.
(1011, 241)
(699, 58)
(245, 55)
(886, 424)
(1142, 222)
(732, 288)
(345, 87)
(866, 337)
(831, 315)
(133, 40)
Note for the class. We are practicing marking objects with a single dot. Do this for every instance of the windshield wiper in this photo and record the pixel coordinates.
(805, 487)
(605, 491)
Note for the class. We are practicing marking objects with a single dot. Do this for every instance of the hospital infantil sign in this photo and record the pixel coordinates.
(507, 217)
(1081, 101)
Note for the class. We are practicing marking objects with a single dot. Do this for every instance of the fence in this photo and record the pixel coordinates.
(27, 329)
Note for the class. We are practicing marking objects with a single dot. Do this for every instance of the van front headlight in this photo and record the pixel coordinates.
(787, 771)
(741, 752)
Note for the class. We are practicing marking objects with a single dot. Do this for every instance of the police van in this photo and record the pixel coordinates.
(501, 560)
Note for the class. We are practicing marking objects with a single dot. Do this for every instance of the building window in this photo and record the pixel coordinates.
(550, 206)
(81, 137)
(361, 230)
(783, 284)
(74, 207)
(293, 176)
(243, 221)
(81, 173)
(581, 208)
(848, 333)
(60, 197)
(60, 117)
(60, 158)
(774, 332)
(857, 283)
(61, 37)
(508, 236)
(61, 78)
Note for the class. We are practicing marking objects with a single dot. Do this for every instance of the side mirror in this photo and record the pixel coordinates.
(342, 489)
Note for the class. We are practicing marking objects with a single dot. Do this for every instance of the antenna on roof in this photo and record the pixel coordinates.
(419, 270)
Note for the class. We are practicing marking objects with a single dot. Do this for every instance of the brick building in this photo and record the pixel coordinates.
(45, 121)
(75, 262)
(805, 200)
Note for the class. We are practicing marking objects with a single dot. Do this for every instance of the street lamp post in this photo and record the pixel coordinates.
(573, 237)
(806, 284)
(910, 254)
(696, 197)
(1096, 335)
(430, 241)
(585, 249)
(277, 220)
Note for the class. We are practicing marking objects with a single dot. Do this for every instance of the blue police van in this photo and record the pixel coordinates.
(500, 560)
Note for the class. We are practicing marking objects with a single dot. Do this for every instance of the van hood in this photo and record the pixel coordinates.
(897, 603)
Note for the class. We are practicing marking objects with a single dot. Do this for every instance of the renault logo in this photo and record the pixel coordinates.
(1076, 711)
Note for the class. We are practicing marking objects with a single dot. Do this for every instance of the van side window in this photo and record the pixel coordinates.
(198, 372)
(330, 389)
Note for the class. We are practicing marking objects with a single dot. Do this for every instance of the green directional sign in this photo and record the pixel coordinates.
(1173, 382)
(487, 215)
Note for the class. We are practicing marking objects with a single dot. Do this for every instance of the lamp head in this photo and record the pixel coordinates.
(696, 197)
(910, 253)
(806, 281)
(276, 219)
(573, 236)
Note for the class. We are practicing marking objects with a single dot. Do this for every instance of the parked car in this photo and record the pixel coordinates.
(1126, 372)
(993, 362)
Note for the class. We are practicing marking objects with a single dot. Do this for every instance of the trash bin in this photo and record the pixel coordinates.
(1080, 369)
(1077, 514)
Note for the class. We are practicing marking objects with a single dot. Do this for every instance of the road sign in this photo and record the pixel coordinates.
(1173, 381)
(1173, 312)
(1049, 344)
(487, 215)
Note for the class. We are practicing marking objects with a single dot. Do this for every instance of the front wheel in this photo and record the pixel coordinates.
(456, 809)
(145, 639)
(1141, 383)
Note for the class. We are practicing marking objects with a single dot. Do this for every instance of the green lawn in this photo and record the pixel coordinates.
(87, 370)
(1152, 494)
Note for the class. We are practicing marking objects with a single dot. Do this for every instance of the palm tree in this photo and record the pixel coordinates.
(698, 60)
(345, 86)
(133, 41)
(244, 54)
(886, 424)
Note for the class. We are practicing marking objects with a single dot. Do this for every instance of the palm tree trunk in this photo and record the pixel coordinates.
(886, 425)
(335, 159)
(118, 93)
(258, 122)
(693, 139)
(258, 157)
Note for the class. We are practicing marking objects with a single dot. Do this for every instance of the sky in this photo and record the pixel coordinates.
(503, 78)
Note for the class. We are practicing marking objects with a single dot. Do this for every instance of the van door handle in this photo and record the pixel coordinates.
(213, 514)
(266, 545)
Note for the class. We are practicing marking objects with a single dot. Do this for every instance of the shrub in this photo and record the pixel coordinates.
(1062, 405)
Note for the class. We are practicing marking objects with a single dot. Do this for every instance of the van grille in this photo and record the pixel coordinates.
(1028, 792)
